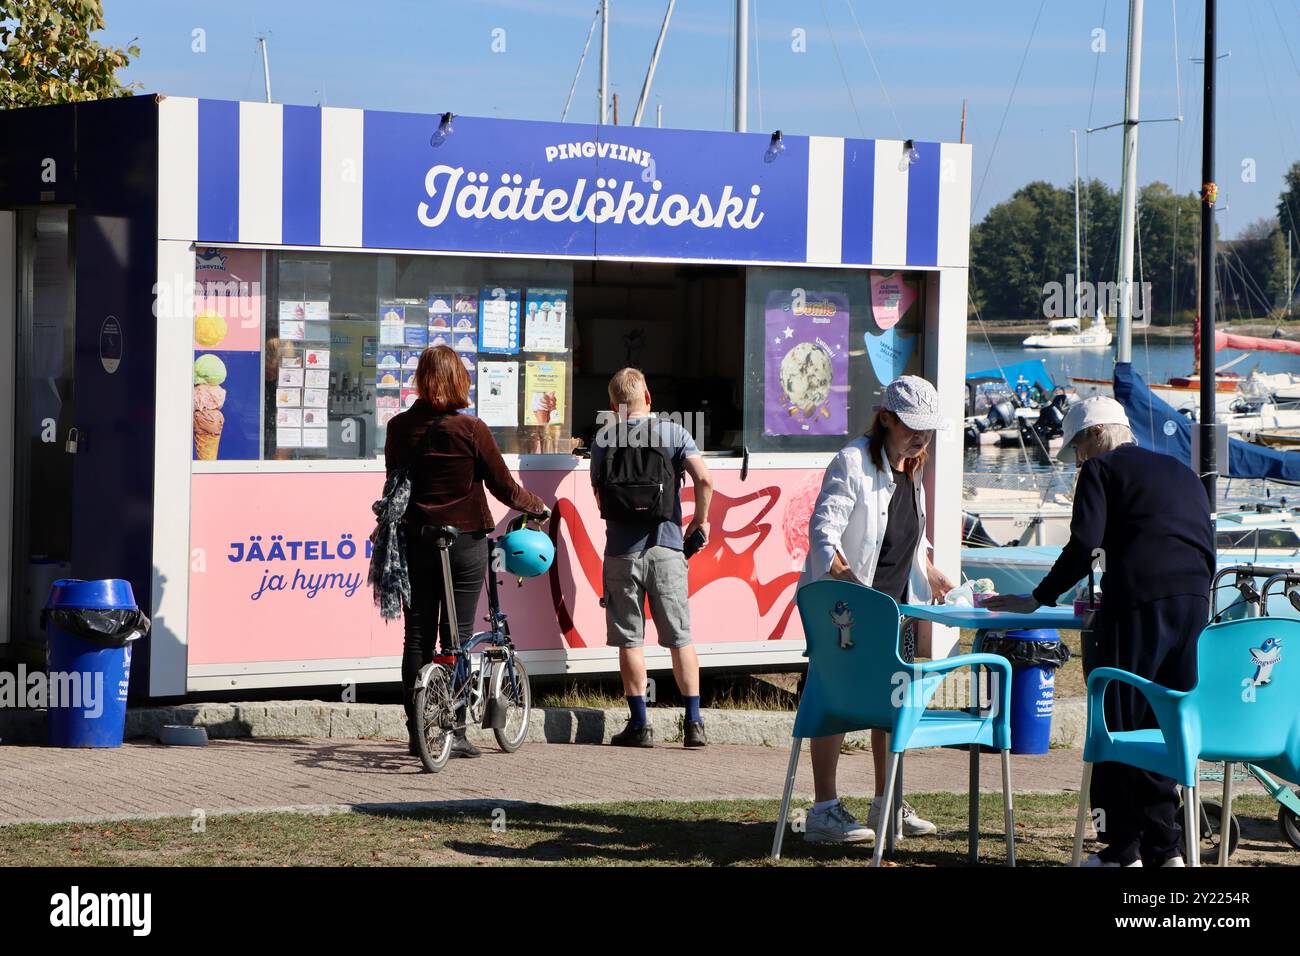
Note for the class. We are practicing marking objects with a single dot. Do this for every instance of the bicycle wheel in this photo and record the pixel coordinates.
(1212, 831)
(435, 717)
(1289, 823)
(517, 696)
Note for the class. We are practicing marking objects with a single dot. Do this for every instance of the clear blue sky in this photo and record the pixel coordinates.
(435, 55)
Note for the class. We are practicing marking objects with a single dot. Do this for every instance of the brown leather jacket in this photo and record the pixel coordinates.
(447, 480)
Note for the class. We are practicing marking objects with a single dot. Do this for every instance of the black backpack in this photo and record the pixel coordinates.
(638, 482)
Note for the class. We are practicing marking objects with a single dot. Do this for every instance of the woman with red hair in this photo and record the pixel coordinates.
(449, 457)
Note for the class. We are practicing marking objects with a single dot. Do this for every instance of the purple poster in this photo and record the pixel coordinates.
(807, 363)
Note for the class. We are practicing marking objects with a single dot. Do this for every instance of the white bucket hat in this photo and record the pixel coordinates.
(1097, 410)
(915, 402)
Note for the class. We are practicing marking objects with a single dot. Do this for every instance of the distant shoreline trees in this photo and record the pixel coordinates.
(1027, 241)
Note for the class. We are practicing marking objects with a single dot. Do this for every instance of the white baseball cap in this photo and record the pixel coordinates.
(915, 402)
(1097, 410)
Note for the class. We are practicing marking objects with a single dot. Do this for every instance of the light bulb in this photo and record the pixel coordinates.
(910, 155)
(444, 130)
(775, 148)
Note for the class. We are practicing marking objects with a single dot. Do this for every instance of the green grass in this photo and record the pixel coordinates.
(661, 833)
(760, 692)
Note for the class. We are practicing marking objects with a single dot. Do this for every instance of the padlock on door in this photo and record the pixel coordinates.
(70, 446)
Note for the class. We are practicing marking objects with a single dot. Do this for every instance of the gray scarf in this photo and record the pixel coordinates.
(388, 571)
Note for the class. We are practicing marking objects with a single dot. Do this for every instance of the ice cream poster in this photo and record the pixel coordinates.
(806, 363)
(227, 299)
(227, 406)
(544, 393)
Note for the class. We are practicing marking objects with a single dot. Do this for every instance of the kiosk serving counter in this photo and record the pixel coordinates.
(217, 308)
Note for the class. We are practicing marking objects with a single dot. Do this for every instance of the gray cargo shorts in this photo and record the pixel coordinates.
(658, 573)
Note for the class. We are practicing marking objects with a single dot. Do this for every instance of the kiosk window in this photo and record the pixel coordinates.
(820, 347)
(344, 333)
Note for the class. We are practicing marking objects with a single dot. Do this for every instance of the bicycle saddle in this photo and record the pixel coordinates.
(443, 536)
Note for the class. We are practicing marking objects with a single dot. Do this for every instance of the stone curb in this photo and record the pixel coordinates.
(584, 725)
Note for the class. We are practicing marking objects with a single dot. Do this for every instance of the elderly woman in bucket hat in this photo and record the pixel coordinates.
(1148, 518)
(868, 526)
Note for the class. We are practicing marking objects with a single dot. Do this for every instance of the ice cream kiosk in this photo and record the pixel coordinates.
(216, 307)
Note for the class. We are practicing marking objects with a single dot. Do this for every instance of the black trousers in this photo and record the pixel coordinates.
(1139, 814)
(425, 618)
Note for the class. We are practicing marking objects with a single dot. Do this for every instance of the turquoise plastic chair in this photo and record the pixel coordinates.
(1245, 708)
(857, 681)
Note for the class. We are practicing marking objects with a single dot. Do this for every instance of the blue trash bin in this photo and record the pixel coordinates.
(1034, 655)
(89, 628)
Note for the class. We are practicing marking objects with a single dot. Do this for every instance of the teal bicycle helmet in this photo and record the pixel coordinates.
(528, 552)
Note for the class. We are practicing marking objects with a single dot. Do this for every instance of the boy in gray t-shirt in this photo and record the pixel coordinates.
(644, 560)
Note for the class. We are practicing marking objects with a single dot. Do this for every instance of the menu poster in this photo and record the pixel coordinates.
(315, 417)
(385, 415)
(389, 400)
(409, 395)
(417, 336)
(288, 417)
(464, 305)
(544, 321)
(290, 378)
(288, 437)
(440, 310)
(318, 358)
(392, 334)
(499, 321)
(410, 359)
(292, 311)
(293, 330)
(315, 310)
(316, 397)
(315, 438)
(544, 393)
(498, 394)
(806, 390)
(316, 378)
(288, 398)
(439, 337)
(466, 342)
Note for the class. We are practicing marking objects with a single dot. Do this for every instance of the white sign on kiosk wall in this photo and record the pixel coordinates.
(498, 393)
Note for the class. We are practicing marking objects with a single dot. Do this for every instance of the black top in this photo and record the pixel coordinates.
(1148, 514)
(902, 532)
(449, 457)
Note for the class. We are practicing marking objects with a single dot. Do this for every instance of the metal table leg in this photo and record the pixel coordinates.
(973, 817)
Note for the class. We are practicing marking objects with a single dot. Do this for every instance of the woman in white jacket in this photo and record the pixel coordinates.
(868, 526)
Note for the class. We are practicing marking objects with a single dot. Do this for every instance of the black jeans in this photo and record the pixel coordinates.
(424, 617)
(1156, 640)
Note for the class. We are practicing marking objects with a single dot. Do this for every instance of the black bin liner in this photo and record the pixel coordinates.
(1027, 653)
(105, 627)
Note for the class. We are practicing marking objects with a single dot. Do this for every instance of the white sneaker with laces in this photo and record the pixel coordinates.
(909, 824)
(836, 825)
(1094, 861)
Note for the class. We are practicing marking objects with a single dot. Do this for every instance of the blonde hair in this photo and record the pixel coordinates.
(1110, 437)
(627, 387)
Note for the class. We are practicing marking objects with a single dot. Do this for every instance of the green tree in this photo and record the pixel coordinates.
(1169, 229)
(1022, 244)
(49, 56)
(1247, 276)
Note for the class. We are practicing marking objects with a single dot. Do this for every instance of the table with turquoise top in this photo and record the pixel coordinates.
(982, 621)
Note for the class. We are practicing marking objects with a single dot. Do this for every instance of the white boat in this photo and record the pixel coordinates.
(1093, 336)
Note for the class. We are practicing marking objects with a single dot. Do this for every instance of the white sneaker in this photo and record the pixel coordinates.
(910, 825)
(836, 825)
(1174, 860)
(1094, 860)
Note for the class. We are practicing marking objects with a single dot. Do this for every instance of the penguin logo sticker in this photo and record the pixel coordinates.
(842, 618)
(1265, 657)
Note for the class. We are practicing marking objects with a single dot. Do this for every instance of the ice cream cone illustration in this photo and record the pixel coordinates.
(209, 396)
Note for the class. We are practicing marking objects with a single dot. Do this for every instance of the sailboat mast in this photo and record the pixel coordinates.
(1128, 218)
(1208, 465)
(1078, 275)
